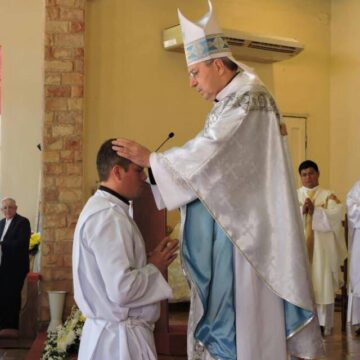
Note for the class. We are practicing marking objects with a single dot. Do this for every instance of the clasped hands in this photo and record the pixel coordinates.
(164, 253)
(308, 207)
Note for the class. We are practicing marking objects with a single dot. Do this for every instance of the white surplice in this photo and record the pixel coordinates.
(353, 214)
(329, 250)
(239, 168)
(114, 287)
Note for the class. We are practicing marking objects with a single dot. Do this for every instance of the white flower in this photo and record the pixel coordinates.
(65, 336)
(65, 340)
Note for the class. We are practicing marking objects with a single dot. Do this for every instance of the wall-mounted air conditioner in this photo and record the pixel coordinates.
(244, 46)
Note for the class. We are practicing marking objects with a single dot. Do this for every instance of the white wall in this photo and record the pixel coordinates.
(22, 41)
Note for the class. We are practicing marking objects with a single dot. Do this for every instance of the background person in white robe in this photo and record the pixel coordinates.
(245, 259)
(324, 236)
(353, 214)
(116, 286)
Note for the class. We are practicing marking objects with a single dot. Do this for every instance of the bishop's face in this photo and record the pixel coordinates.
(309, 178)
(9, 209)
(205, 79)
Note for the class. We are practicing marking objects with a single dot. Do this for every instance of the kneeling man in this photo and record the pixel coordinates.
(116, 286)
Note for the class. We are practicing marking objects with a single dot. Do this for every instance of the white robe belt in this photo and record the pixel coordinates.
(130, 322)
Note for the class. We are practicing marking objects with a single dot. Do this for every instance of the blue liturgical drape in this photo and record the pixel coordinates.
(208, 258)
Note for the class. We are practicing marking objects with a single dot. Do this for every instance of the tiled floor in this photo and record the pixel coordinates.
(341, 346)
(338, 347)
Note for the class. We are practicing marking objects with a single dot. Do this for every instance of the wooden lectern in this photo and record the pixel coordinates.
(152, 224)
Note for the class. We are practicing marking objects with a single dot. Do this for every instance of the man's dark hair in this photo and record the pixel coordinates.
(230, 65)
(107, 158)
(308, 164)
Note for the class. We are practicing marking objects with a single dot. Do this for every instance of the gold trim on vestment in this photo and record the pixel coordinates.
(309, 232)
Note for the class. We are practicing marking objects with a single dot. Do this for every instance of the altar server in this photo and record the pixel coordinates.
(116, 286)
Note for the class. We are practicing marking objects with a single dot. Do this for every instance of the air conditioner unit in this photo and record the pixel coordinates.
(244, 46)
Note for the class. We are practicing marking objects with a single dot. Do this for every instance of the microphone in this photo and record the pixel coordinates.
(168, 138)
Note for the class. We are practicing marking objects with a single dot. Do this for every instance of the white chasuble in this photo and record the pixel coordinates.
(114, 287)
(238, 167)
(353, 214)
(329, 249)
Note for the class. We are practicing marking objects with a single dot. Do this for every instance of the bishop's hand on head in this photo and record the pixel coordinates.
(138, 154)
(133, 151)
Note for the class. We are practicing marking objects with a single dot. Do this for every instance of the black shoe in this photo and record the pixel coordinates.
(357, 332)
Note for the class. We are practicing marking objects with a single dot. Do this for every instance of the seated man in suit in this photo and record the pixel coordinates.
(322, 215)
(14, 265)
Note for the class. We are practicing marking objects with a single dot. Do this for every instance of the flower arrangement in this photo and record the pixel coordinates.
(34, 243)
(64, 342)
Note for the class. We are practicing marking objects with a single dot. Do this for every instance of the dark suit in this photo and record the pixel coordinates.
(13, 269)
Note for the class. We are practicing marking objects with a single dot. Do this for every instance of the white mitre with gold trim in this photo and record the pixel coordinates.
(204, 40)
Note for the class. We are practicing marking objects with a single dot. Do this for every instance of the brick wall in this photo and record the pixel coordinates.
(62, 144)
